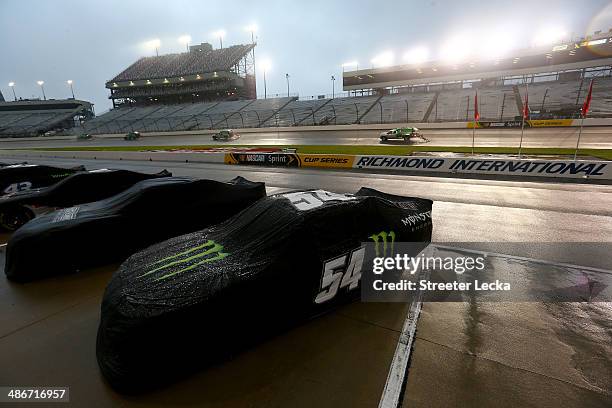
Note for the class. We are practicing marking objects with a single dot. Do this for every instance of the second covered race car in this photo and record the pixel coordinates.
(106, 231)
(19, 207)
(23, 176)
(193, 299)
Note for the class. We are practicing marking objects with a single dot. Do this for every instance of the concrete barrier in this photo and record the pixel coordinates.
(479, 165)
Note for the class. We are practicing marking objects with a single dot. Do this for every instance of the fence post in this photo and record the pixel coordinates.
(293, 114)
(258, 119)
(356, 112)
(406, 101)
(381, 113)
(211, 121)
(335, 116)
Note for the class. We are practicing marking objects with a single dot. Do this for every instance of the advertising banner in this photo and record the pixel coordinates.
(524, 167)
(339, 161)
(264, 159)
(518, 123)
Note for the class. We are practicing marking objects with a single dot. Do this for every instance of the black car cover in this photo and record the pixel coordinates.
(188, 301)
(106, 231)
(78, 188)
(18, 177)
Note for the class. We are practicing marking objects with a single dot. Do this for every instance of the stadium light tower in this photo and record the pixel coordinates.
(333, 79)
(265, 65)
(416, 55)
(549, 35)
(287, 77)
(185, 39)
(42, 88)
(155, 43)
(220, 34)
(350, 64)
(12, 86)
(384, 59)
(69, 82)
(252, 28)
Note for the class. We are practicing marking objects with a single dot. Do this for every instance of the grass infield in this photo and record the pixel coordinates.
(605, 154)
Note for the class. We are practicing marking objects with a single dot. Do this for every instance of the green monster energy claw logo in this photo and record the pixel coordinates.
(209, 251)
(382, 236)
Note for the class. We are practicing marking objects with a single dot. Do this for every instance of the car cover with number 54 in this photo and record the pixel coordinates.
(106, 231)
(193, 299)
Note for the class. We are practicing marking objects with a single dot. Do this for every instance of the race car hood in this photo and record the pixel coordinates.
(196, 294)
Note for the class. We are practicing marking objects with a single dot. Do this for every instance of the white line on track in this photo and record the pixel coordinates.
(396, 377)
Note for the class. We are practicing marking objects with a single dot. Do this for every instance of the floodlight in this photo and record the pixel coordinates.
(416, 55)
(384, 59)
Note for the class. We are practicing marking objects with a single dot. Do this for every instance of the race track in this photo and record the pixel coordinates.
(506, 354)
(592, 137)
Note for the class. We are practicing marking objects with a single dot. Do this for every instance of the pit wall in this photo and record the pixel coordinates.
(486, 165)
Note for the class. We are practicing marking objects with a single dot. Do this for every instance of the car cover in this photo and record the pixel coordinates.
(190, 300)
(109, 230)
(23, 176)
(78, 188)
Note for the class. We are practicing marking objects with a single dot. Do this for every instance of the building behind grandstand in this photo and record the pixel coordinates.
(202, 74)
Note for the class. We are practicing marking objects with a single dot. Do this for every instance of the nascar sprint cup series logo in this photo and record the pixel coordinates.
(184, 261)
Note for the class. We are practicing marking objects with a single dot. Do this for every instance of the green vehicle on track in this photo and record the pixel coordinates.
(84, 136)
(401, 133)
(132, 136)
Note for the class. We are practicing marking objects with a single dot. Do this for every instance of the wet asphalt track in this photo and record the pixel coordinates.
(592, 137)
(465, 354)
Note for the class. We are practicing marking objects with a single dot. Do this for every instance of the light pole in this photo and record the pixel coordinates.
(185, 39)
(220, 34)
(287, 77)
(265, 86)
(69, 82)
(333, 79)
(42, 88)
(12, 85)
(252, 29)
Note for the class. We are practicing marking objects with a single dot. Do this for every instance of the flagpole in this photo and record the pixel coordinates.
(578, 141)
(583, 112)
(474, 128)
(523, 115)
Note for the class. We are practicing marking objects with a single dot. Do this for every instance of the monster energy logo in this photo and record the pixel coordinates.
(209, 251)
(382, 237)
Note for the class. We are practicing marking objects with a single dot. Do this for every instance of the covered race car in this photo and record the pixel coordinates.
(132, 136)
(83, 187)
(193, 299)
(19, 177)
(106, 231)
(408, 134)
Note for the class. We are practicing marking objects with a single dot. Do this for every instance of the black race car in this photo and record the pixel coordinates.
(106, 231)
(83, 187)
(190, 300)
(23, 176)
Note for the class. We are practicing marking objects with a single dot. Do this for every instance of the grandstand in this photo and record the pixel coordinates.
(35, 117)
(1, 97)
(179, 95)
(201, 75)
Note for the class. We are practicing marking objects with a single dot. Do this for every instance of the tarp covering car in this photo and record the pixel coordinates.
(109, 230)
(191, 300)
(24, 176)
(82, 187)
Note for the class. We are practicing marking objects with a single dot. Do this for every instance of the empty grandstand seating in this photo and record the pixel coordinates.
(30, 118)
(172, 65)
(442, 105)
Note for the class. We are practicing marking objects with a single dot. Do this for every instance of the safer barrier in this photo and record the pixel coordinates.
(427, 164)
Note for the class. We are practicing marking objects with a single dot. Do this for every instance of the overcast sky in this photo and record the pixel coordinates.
(91, 41)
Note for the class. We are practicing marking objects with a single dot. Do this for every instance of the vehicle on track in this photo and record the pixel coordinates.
(132, 136)
(204, 295)
(226, 135)
(407, 134)
(19, 207)
(84, 136)
(109, 230)
(23, 176)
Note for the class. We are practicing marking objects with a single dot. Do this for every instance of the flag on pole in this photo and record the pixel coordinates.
(526, 106)
(587, 101)
(476, 113)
